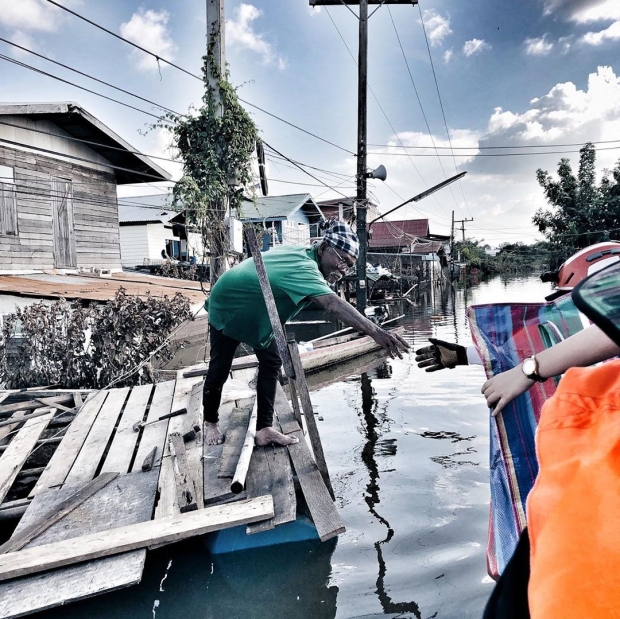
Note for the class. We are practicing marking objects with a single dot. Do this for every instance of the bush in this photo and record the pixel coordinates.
(87, 347)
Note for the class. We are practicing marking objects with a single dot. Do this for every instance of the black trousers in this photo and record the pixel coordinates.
(221, 357)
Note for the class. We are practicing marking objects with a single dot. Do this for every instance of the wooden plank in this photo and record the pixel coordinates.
(270, 303)
(78, 401)
(306, 403)
(322, 509)
(7, 409)
(129, 499)
(217, 490)
(19, 449)
(194, 449)
(88, 459)
(121, 451)
(292, 384)
(61, 462)
(131, 537)
(24, 596)
(45, 521)
(235, 436)
(288, 423)
(154, 435)
(271, 473)
(167, 504)
(186, 490)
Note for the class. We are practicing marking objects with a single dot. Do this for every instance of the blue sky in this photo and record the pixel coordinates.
(536, 74)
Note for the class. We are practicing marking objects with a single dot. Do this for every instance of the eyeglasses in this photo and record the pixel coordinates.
(342, 265)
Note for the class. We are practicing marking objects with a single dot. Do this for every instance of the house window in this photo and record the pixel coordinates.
(8, 202)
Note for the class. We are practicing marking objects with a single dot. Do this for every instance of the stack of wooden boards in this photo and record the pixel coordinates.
(123, 480)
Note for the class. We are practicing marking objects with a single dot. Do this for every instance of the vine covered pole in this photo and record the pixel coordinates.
(216, 68)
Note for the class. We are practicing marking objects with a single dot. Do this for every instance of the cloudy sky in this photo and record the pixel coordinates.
(536, 78)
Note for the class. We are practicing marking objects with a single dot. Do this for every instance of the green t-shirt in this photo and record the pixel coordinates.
(236, 304)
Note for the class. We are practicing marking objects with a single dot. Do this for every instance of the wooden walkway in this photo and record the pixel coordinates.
(95, 483)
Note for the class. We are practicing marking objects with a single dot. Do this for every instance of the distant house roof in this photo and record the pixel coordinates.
(146, 210)
(130, 166)
(398, 233)
(331, 208)
(278, 207)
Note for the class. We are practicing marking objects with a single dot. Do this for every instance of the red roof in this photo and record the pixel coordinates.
(398, 233)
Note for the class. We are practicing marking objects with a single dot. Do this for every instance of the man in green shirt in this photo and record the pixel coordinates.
(237, 313)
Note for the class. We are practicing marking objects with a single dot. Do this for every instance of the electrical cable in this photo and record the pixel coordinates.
(430, 133)
(64, 81)
(172, 64)
(380, 107)
(64, 66)
(430, 57)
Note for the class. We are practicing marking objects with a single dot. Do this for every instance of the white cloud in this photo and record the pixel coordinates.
(447, 55)
(149, 30)
(583, 11)
(475, 46)
(598, 38)
(25, 40)
(538, 47)
(240, 32)
(32, 14)
(502, 192)
(437, 27)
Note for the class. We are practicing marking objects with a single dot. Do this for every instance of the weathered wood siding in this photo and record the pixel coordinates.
(39, 182)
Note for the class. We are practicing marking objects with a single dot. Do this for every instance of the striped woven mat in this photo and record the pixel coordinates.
(504, 335)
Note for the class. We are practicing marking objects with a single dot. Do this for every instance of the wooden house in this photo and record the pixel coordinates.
(149, 227)
(288, 220)
(59, 170)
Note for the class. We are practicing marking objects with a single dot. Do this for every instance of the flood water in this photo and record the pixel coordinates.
(407, 453)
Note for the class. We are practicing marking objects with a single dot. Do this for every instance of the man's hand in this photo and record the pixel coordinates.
(505, 387)
(441, 355)
(391, 342)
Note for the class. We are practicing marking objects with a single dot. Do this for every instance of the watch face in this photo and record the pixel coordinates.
(529, 366)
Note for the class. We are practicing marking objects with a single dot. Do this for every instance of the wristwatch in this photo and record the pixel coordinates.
(530, 369)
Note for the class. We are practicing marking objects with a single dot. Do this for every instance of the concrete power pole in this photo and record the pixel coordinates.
(362, 90)
(217, 66)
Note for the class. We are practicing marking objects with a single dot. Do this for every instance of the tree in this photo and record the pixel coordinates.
(581, 213)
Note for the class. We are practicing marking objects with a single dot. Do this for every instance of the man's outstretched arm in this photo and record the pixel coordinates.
(390, 342)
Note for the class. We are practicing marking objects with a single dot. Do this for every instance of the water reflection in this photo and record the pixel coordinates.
(375, 446)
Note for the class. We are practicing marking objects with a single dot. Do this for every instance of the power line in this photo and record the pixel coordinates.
(172, 64)
(81, 159)
(89, 142)
(516, 146)
(64, 66)
(430, 57)
(305, 171)
(378, 103)
(566, 152)
(92, 23)
(64, 81)
(430, 133)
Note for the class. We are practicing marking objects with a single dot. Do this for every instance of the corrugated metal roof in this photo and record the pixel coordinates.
(276, 207)
(134, 213)
(394, 229)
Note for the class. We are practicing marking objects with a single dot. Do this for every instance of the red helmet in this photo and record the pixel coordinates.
(583, 263)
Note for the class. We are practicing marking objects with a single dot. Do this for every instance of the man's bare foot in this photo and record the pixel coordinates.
(269, 436)
(213, 436)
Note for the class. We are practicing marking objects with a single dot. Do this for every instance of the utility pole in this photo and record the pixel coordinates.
(452, 238)
(462, 222)
(216, 68)
(362, 87)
